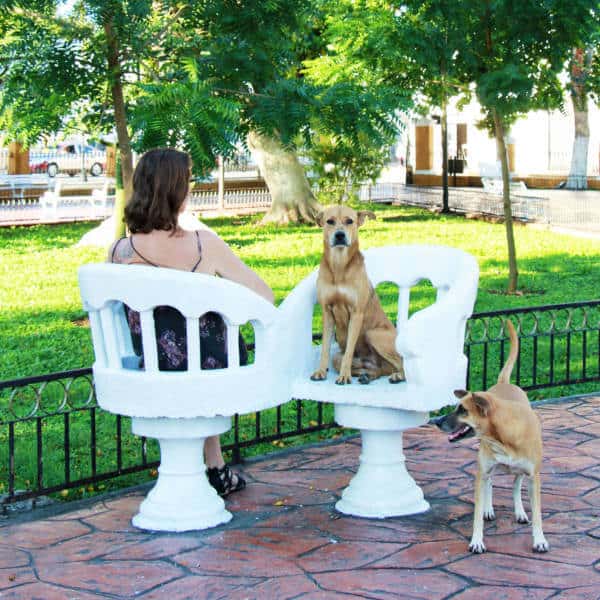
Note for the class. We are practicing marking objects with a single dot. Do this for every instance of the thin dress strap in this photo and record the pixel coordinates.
(112, 256)
(199, 251)
(141, 255)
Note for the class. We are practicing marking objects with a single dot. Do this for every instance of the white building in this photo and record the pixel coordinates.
(539, 147)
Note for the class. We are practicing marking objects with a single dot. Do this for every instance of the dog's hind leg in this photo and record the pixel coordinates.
(520, 514)
(383, 343)
(539, 541)
(357, 363)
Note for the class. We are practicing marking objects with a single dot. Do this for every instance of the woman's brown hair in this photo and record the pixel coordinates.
(161, 183)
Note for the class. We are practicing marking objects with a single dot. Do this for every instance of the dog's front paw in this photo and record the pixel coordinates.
(343, 379)
(541, 545)
(477, 547)
(319, 375)
(397, 377)
(489, 514)
(521, 518)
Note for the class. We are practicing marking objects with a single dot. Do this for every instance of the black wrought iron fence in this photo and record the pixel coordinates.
(54, 439)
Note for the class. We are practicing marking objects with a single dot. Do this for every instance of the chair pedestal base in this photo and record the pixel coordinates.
(382, 487)
(182, 499)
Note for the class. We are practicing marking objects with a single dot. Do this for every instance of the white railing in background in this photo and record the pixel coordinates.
(232, 200)
(526, 206)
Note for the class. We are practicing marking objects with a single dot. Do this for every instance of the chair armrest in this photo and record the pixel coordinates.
(440, 328)
(437, 329)
(296, 316)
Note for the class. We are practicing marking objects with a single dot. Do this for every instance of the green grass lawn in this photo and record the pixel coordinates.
(41, 318)
(43, 327)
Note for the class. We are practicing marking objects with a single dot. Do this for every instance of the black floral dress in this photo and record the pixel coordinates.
(171, 335)
(171, 339)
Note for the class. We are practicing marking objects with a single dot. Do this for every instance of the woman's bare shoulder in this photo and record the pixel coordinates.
(120, 251)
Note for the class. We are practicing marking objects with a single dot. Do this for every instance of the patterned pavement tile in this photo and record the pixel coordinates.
(42, 591)
(122, 578)
(198, 587)
(580, 593)
(342, 556)
(497, 592)
(116, 521)
(424, 555)
(391, 585)
(496, 569)
(39, 534)
(85, 547)
(246, 560)
(279, 588)
(10, 557)
(263, 539)
(15, 577)
(287, 540)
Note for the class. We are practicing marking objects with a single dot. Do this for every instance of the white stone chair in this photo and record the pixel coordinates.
(431, 342)
(180, 409)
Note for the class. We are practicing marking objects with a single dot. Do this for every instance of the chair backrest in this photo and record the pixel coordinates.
(106, 287)
(445, 267)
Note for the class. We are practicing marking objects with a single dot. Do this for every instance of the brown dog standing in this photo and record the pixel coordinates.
(511, 435)
(366, 337)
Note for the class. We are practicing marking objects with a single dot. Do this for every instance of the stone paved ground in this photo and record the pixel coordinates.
(287, 541)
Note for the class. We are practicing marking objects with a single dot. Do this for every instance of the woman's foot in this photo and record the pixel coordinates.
(224, 480)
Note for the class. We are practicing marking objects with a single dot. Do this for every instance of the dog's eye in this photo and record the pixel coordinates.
(348, 221)
(461, 410)
(330, 221)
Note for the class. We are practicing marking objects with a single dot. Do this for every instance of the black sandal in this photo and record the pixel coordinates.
(222, 480)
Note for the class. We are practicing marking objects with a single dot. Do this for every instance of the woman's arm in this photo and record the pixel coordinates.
(226, 264)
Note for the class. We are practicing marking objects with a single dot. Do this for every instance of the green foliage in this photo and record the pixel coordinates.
(340, 166)
(516, 52)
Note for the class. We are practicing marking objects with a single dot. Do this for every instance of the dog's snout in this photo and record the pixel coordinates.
(444, 422)
(340, 236)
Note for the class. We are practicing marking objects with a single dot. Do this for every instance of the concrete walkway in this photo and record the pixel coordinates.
(287, 541)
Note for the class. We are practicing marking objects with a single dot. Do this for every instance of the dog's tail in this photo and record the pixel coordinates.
(504, 376)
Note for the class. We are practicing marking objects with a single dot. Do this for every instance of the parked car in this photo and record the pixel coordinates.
(68, 158)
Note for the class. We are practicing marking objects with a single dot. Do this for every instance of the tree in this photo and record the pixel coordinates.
(509, 54)
(253, 54)
(243, 64)
(514, 56)
(580, 69)
(405, 49)
(87, 63)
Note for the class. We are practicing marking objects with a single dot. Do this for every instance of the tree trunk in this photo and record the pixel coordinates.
(444, 122)
(115, 75)
(293, 200)
(513, 273)
(577, 179)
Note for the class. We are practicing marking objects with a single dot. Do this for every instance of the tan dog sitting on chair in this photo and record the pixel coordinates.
(351, 308)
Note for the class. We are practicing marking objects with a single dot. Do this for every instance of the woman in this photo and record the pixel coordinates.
(160, 188)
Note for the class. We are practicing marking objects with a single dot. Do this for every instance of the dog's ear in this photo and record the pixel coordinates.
(460, 393)
(319, 219)
(365, 214)
(482, 404)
